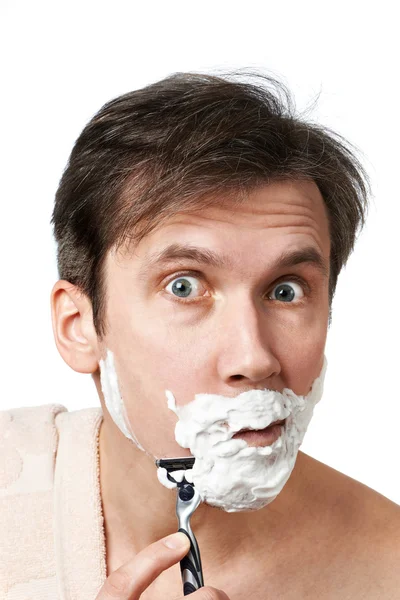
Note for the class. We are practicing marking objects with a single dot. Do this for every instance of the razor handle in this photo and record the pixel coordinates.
(188, 499)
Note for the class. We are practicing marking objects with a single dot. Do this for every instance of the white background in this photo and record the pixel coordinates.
(63, 60)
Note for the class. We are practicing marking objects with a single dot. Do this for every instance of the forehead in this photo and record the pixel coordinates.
(272, 216)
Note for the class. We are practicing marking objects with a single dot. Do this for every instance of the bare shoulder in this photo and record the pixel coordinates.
(363, 539)
(376, 527)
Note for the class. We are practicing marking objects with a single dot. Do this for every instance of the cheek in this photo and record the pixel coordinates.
(149, 360)
(303, 364)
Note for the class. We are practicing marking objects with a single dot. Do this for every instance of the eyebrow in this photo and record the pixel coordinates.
(202, 256)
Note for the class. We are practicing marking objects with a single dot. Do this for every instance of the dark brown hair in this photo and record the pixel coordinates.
(179, 144)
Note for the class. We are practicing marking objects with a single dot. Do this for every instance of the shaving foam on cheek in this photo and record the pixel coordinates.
(113, 399)
(228, 473)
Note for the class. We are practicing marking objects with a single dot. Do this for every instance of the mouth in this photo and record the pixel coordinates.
(261, 437)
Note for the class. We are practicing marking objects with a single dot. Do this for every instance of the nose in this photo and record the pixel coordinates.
(246, 353)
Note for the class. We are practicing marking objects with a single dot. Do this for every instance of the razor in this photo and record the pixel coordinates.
(187, 500)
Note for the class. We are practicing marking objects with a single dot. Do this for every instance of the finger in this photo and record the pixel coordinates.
(131, 579)
(209, 593)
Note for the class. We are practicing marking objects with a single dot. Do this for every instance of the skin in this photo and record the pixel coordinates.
(133, 579)
(235, 335)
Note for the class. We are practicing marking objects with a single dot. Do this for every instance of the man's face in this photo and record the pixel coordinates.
(179, 321)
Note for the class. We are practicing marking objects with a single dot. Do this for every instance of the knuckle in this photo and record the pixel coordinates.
(210, 593)
(116, 584)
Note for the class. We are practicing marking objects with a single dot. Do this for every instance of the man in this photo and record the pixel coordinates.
(201, 228)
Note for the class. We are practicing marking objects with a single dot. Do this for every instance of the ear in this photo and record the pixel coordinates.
(73, 327)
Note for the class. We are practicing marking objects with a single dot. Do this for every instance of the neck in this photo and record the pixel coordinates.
(138, 510)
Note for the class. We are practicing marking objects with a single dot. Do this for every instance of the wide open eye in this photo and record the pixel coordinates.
(185, 287)
(287, 291)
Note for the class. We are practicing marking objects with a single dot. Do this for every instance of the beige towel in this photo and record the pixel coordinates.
(52, 544)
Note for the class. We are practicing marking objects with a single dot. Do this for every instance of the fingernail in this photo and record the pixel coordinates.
(176, 541)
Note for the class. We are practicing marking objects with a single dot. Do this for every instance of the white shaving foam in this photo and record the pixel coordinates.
(178, 476)
(113, 399)
(163, 478)
(228, 473)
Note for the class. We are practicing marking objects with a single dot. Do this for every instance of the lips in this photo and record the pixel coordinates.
(281, 422)
(261, 437)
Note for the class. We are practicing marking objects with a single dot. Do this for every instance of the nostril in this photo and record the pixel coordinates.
(237, 377)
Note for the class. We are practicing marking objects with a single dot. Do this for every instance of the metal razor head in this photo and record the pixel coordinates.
(176, 464)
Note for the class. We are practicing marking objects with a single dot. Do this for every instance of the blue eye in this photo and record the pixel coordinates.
(287, 291)
(182, 287)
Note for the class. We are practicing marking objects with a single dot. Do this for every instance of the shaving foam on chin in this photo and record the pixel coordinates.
(228, 473)
(113, 399)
